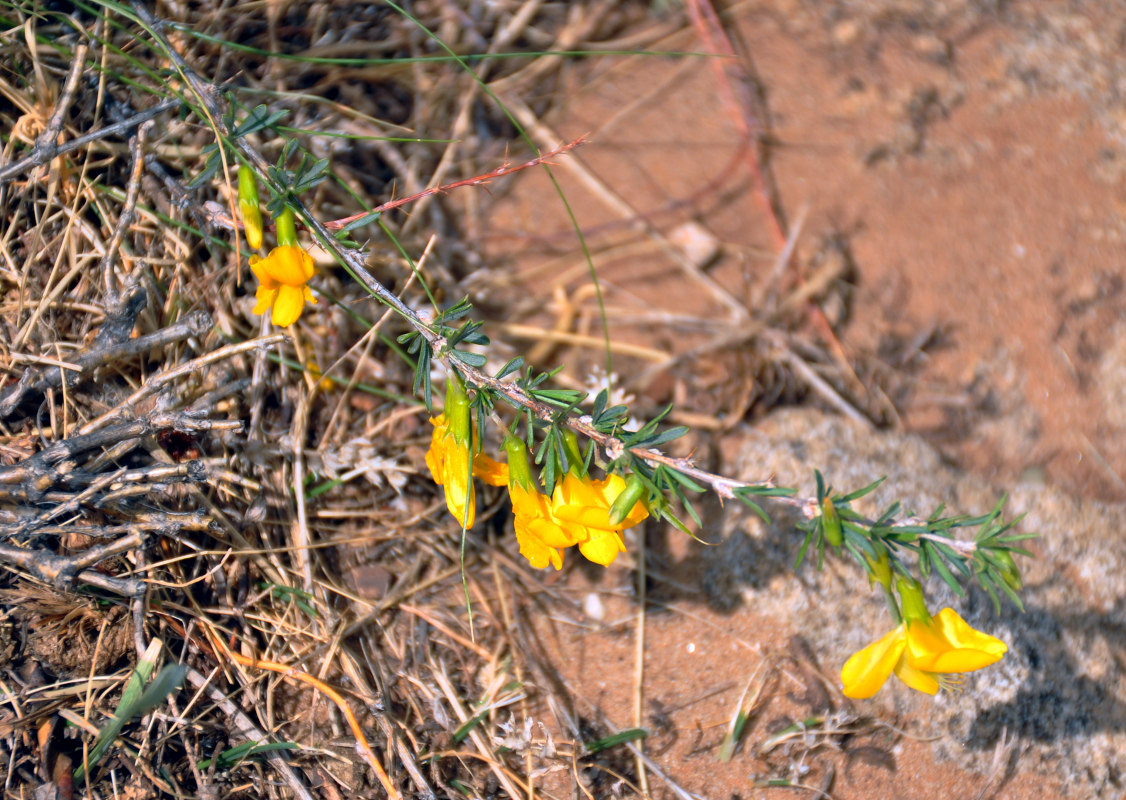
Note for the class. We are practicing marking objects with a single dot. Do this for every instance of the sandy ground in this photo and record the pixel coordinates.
(978, 197)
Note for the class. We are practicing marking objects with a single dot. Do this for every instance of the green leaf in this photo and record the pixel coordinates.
(809, 534)
(599, 406)
(941, 568)
(234, 756)
(848, 498)
(366, 219)
(465, 728)
(136, 701)
(767, 491)
(631, 735)
(661, 438)
(757, 509)
(258, 119)
(680, 478)
(472, 359)
(515, 365)
(209, 169)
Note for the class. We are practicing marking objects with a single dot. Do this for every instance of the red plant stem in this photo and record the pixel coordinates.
(478, 180)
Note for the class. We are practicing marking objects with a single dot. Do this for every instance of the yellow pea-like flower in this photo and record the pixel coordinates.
(539, 535)
(450, 458)
(582, 507)
(283, 278)
(920, 650)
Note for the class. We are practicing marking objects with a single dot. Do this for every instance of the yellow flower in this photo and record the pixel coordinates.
(448, 460)
(917, 651)
(538, 533)
(449, 456)
(581, 506)
(283, 276)
(489, 470)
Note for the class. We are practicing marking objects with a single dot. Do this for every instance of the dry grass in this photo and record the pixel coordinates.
(174, 473)
(153, 433)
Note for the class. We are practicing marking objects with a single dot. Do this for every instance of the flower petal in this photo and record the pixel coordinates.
(264, 298)
(602, 547)
(586, 516)
(490, 470)
(458, 484)
(866, 671)
(288, 305)
(533, 514)
(554, 534)
(539, 555)
(917, 679)
(289, 265)
(949, 644)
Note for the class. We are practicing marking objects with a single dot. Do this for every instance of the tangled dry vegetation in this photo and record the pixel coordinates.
(187, 496)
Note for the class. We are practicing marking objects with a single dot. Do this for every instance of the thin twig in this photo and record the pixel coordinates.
(39, 381)
(65, 573)
(125, 218)
(39, 157)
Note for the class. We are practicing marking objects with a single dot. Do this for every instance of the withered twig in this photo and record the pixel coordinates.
(41, 470)
(153, 384)
(123, 484)
(38, 157)
(125, 218)
(42, 379)
(249, 730)
(64, 573)
(166, 523)
(47, 145)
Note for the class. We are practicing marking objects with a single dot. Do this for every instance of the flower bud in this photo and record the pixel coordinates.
(248, 206)
(574, 453)
(831, 522)
(1005, 564)
(879, 569)
(625, 502)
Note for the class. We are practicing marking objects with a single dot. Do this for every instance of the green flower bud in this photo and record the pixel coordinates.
(1007, 566)
(625, 502)
(574, 453)
(831, 522)
(880, 569)
(248, 206)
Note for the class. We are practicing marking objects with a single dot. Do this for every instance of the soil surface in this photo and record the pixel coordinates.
(964, 163)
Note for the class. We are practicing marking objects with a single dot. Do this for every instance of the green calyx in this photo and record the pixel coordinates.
(574, 453)
(879, 569)
(519, 470)
(287, 227)
(457, 410)
(1007, 566)
(911, 600)
(248, 206)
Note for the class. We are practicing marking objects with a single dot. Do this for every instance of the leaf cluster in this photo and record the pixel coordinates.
(932, 541)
